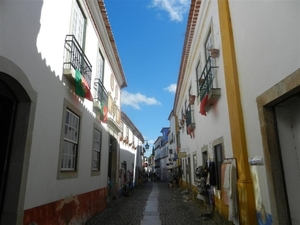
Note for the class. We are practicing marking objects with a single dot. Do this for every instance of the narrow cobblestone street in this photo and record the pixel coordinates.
(173, 208)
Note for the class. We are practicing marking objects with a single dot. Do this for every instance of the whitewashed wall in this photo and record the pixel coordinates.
(34, 40)
(216, 123)
(267, 50)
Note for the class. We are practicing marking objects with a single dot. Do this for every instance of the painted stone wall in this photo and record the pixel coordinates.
(71, 210)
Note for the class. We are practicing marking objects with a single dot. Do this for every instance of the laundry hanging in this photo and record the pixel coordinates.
(230, 188)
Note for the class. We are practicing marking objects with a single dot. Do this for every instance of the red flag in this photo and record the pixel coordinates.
(203, 104)
(104, 120)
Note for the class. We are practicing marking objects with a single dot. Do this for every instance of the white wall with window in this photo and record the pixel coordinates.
(257, 71)
(69, 145)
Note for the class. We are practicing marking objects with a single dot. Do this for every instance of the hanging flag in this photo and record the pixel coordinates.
(104, 120)
(103, 112)
(203, 104)
(81, 87)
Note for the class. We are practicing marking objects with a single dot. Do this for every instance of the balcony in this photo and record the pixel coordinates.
(75, 59)
(190, 121)
(205, 85)
(101, 96)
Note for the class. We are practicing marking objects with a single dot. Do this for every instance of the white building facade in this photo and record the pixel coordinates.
(237, 85)
(60, 78)
(131, 149)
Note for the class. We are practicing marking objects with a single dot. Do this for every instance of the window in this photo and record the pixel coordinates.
(182, 168)
(218, 163)
(205, 75)
(122, 127)
(74, 56)
(208, 45)
(96, 150)
(70, 145)
(78, 24)
(195, 163)
(67, 166)
(100, 91)
(198, 75)
(204, 157)
(190, 120)
(127, 131)
(100, 67)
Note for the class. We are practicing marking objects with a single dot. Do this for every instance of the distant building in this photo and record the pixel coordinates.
(131, 151)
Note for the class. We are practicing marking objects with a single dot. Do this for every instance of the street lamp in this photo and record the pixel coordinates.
(147, 145)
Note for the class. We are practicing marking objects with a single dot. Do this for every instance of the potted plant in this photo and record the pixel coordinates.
(181, 122)
(192, 99)
(214, 53)
(201, 80)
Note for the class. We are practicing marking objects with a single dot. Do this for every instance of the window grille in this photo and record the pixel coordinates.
(97, 150)
(70, 146)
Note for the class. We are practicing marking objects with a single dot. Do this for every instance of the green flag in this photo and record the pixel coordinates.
(81, 86)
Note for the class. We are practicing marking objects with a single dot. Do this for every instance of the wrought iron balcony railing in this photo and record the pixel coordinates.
(100, 92)
(205, 82)
(190, 116)
(76, 59)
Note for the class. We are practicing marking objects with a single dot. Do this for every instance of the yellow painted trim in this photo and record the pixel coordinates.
(221, 208)
(247, 211)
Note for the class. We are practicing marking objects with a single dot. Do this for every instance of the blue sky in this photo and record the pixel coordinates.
(149, 35)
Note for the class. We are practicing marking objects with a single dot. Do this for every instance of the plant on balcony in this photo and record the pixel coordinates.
(192, 99)
(201, 81)
(191, 129)
(120, 135)
(181, 122)
(125, 140)
(214, 53)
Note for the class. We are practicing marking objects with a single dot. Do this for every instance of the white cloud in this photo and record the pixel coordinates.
(135, 100)
(171, 88)
(175, 8)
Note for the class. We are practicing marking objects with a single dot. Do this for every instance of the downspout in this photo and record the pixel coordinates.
(246, 199)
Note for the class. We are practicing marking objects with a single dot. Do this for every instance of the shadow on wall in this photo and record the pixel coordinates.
(21, 70)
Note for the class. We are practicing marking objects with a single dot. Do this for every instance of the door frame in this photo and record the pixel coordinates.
(21, 138)
(266, 102)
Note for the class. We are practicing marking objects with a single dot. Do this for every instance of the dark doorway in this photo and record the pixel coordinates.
(7, 106)
(113, 166)
(17, 111)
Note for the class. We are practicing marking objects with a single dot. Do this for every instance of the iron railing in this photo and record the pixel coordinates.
(76, 59)
(205, 81)
(190, 116)
(100, 92)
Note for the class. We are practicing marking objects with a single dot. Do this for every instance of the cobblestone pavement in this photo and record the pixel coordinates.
(173, 208)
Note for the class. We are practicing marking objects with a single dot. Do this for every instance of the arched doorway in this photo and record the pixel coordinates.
(17, 107)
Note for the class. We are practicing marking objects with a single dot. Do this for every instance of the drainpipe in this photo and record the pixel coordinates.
(246, 199)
